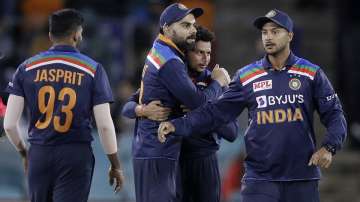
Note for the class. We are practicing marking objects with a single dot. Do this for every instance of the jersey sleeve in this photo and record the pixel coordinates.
(175, 77)
(229, 131)
(15, 86)
(128, 109)
(330, 110)
(213, 114)
(102, 92)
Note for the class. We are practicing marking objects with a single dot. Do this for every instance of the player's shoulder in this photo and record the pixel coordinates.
(306, 63)
(247, 72)
(160, 54)
(75, 59)
(304, 67)
(250, 67)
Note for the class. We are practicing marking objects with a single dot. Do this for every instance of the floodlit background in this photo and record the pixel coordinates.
(119, 33)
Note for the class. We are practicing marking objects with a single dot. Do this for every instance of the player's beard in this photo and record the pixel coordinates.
(278, 50)
(184, 45)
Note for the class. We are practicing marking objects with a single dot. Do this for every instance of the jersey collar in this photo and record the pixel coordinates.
(163, 39)
(290, 61)
(64, 48)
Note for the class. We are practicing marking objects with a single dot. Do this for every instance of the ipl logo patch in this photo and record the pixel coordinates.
(295, 84)
(271, 14)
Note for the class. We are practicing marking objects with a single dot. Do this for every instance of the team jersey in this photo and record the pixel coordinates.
(201, 145)
(198, 145)
(165, 78)
(280, 136)
(60, 87)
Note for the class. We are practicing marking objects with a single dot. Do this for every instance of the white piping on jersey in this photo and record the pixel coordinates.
(255, 77)
(61, 62)
(153, 62)
(157, 65)
(301, 73)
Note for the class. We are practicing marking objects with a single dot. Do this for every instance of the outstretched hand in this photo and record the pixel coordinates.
(164, 129)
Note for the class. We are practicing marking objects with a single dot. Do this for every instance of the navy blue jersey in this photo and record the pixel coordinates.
(198, 144)
(165, 78)
(60, 88)
(280, 137)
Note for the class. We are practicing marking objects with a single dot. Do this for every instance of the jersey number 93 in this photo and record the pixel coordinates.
(48, 108)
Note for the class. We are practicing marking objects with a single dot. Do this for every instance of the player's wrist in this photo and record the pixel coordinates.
(330, 148)
(140, 110)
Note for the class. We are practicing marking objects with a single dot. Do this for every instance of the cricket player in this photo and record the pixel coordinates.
(199, 172)
(62, 89)
(281, 92)
(165, 78)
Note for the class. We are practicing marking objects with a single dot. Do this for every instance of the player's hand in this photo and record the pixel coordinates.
(155, 111)
(116, 176)
(322, 158)
(220, 75)
(164, 129)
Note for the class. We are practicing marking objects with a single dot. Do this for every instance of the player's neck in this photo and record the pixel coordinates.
(278, 60)
(64, 43)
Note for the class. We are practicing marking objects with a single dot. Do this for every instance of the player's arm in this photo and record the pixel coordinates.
(102, 96)
(174, 76)
(209, 116)
(332, 117)
(13, 113)
(229, 131)
(106, 129)
(153, 111)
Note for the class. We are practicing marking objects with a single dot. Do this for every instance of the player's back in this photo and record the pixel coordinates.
(59, 89)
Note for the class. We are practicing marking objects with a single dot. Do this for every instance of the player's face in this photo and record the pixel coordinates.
(275, 38)
(199, 57)
(183, 32)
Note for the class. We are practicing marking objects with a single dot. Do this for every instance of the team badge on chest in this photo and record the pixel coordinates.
(295, 84)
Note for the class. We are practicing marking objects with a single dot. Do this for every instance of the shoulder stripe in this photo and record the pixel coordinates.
(64, 59)
(156, 58)
(61, 61)
(152, 60)
(251, 73)
(305, 70)
(79, 58)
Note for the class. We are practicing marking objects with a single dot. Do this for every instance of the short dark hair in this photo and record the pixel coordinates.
(203, 34)
(63, 22)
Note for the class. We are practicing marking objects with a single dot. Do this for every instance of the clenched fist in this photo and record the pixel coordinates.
(220, 75)
(164, 129)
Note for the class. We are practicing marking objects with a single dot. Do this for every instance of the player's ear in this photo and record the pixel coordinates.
(291, 36)
(166, 29)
